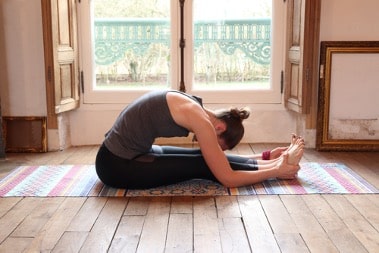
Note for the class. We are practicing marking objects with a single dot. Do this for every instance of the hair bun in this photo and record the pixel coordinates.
(240, 113)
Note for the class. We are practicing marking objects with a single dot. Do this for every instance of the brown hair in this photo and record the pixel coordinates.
(234, 128)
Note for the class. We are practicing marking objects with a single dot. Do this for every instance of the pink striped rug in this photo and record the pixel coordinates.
(81, 180)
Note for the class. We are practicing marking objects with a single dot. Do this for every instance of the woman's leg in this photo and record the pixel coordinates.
(237, 162)
(111, 169)
(168, 165)
(165, 165)
(150, 170)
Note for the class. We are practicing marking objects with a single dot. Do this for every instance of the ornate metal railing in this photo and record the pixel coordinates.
(113, 37)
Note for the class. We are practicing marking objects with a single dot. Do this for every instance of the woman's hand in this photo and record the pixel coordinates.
(287, 171)
(277, 152)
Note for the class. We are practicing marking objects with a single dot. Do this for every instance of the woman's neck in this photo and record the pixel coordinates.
(212, 116)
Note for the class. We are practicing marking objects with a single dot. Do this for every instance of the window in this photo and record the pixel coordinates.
(234, 52)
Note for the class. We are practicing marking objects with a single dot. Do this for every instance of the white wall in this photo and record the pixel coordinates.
(22, 75)
(349, 20)
(23, 85)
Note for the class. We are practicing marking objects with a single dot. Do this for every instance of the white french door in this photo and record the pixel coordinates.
(233, 53)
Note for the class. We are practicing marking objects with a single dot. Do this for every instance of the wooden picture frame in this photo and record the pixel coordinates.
(25, 134)
(348, 115)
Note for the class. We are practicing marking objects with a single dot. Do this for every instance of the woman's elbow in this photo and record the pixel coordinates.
(229, 182)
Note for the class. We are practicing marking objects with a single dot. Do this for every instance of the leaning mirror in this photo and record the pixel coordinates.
(348, 103)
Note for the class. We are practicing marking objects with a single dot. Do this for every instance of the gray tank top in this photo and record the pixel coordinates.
(141, 122)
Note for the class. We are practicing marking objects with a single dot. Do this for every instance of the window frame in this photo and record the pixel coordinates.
(250, 96)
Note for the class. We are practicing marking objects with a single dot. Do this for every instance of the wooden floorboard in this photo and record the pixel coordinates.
(264, 223)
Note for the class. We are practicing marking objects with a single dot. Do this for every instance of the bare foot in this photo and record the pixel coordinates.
(287, 171)
(295, 152)
(294, 137)
(294, 140)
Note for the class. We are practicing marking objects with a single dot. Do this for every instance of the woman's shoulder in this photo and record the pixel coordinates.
(185, 110)
(182, 100)
(185, 97)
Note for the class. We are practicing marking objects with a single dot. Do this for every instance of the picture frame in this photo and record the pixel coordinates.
(348, 115)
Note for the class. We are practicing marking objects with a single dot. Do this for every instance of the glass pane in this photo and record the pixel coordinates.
(132, 44)
(232, 44)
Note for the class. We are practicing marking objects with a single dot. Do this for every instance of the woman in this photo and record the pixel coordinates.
(128, 158)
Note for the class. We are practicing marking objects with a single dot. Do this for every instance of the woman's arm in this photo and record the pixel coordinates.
(193, 117)
(273, 154)
(220, 167)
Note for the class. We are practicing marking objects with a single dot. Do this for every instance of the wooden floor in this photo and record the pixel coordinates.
(265, 223)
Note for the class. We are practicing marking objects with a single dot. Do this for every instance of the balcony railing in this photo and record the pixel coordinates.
(113, 37)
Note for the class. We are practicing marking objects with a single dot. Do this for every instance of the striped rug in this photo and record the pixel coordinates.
(81, 180)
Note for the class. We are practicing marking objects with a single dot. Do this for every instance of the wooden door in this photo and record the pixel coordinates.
(61, 56)
(303, 18)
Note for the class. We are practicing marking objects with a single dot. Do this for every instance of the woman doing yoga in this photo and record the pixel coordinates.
(128, 159)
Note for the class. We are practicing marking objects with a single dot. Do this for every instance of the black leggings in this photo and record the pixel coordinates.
(164, 165)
